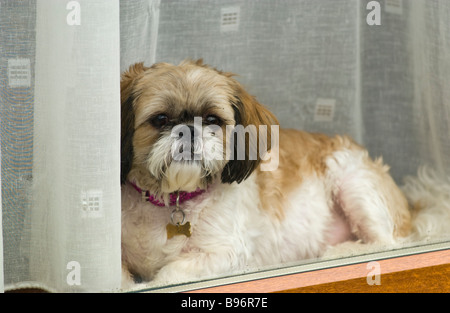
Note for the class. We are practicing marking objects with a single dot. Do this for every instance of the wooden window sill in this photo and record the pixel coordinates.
(424, 272)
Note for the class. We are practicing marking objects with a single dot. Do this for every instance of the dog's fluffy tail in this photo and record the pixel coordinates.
(429, 196)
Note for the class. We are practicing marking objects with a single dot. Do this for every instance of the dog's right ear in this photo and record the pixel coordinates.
(127, 96)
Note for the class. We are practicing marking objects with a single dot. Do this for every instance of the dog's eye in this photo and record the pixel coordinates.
(212, 120)
(159, 120)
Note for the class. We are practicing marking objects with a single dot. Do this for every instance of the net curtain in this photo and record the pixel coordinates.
(60, 61)
(67, 233)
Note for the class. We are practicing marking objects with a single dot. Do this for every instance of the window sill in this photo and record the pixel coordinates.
(421, 272)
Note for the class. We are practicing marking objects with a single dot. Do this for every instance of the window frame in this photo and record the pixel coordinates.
(295, 277)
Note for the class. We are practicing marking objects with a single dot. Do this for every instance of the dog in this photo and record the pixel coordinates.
(202, 200)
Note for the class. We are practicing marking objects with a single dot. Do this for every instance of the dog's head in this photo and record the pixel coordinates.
(179, 127)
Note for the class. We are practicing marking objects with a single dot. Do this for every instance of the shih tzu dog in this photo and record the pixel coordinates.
(211, 186)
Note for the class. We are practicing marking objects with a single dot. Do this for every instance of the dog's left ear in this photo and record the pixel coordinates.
(127, 96)
(251, 115)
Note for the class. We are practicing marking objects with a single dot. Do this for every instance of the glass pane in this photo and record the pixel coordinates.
(371, 70)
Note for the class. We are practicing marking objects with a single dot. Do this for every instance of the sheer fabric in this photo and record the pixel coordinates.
(320, 66)
(60, 144)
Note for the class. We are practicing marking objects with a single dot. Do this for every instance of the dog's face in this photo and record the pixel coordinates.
(176, 123)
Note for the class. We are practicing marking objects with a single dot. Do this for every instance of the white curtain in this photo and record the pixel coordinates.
(70, 233)
(17, 50)
(75, 222)
(430, 46)
(316, 63)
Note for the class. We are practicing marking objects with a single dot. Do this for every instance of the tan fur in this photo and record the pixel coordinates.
(301, 154)
(395, 200)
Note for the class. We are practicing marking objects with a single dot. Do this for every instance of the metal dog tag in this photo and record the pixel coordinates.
(177, 230)
(177, 225)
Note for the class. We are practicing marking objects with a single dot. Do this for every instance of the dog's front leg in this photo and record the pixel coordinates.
(195, 266)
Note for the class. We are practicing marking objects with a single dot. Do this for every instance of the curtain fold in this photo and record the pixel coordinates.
(139, 25)
(430, 49)
(75, 220)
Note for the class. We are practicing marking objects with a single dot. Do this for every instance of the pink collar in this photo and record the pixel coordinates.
(183, 196)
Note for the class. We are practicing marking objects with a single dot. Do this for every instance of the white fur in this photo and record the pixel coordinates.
(231, 234)
(357, 194)
(175, 175)
(431, 193)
